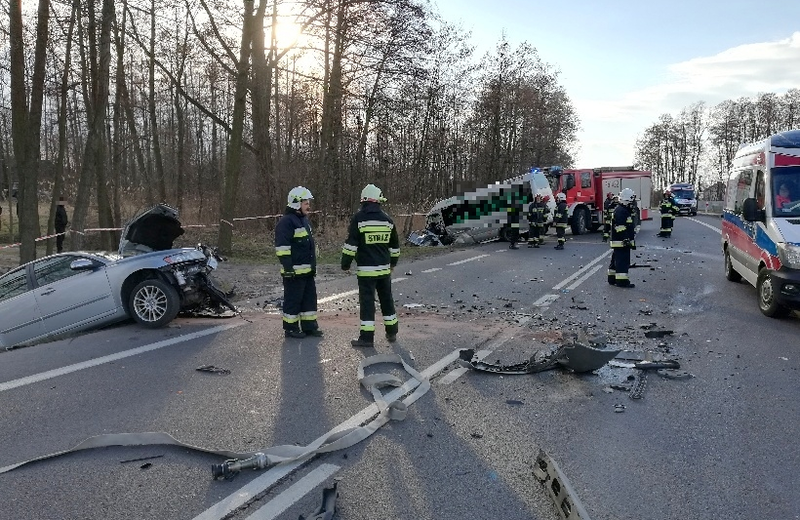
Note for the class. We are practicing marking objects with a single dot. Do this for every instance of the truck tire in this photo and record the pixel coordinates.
(766, 297)
(580, 221)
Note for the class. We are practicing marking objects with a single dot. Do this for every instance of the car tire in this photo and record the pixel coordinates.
(154, 303)
(730, 273)
(766, 297)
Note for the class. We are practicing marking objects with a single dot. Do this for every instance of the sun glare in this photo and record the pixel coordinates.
(287, 33)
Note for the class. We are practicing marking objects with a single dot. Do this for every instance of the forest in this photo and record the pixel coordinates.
(218, 108)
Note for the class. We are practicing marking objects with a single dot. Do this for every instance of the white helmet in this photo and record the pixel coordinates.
(626, 196)
(298, 195)
(561, 196)
(372, 193)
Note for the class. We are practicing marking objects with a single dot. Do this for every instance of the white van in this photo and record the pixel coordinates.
(761, 221)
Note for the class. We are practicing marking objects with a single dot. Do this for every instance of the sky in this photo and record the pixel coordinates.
(625, 63)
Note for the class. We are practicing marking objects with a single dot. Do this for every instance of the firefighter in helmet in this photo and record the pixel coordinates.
(622, 240)
(608, 212)
(668, 211)
(513, 213)
(560, 218)
(537, 213)
(294, 247)
(373, 243)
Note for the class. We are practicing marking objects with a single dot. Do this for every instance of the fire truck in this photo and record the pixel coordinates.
(586, 190)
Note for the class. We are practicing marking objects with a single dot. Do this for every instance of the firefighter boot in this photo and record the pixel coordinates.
(559, 246)
(362, 342)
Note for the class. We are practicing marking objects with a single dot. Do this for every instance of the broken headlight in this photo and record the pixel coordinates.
(789, 255)
(185, 256)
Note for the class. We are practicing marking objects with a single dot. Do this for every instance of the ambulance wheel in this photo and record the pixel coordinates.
(766, 297)
(730, 273)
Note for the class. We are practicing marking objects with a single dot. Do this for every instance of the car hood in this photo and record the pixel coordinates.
(154, 229)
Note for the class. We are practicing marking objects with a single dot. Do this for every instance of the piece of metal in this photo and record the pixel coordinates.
(328, 507)
(559, 488)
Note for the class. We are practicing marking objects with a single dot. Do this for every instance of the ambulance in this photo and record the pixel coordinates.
(761, 221)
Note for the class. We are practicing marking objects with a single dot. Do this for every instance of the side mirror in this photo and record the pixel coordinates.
(750, 211)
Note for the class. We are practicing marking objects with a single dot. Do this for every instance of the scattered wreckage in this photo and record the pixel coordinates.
(481, 215)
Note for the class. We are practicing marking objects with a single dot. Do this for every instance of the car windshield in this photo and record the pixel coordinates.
(786, 192)
(683, 194)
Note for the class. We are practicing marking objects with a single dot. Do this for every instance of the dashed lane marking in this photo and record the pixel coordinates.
(468, 260)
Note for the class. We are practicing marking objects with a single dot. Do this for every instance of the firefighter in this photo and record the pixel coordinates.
(622, 240)
(294, 247)
(608, 213)
(372, 241)
(513, 213)
(668, 211)
(560, 218)
(537, 212)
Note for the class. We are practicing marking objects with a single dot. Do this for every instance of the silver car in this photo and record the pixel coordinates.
(147, 280)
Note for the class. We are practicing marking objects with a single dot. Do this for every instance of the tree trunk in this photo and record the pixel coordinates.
(233, 163)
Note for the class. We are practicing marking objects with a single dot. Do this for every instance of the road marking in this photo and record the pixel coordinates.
(545, 300)
(468, 260)
(709, 226)
(339, 296)
(36, 378)
(584, 277)
(432, 270)
(295, 492)
(580, 271)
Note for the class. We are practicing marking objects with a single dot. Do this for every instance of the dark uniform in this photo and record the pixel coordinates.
(372, 241)
(60, 225)
(514, 211)
(608, 214)
(622, 241)
(294, 246)
(560, 219)
(668, 211)
(537, 214)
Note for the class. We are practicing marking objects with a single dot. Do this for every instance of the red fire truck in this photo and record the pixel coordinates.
(586, 190)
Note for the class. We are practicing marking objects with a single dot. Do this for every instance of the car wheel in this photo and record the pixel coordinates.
(766, 297)
(154, 303)
(730, 272)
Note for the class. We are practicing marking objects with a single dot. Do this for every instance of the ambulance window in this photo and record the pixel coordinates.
(742, 189)
(586, 179)
(760, 189)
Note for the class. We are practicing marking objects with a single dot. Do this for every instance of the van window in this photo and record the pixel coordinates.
(785, 192)
(760, 190)
(739, 189)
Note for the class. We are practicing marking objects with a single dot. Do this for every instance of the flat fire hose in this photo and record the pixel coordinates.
(338, 440)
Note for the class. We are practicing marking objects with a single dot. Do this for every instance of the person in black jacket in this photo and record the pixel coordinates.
(372, 241)
(560, 219)
(622, 240)
(537, 211)
(668, 211)
(608, 214)
(60, 224)
(294, 246)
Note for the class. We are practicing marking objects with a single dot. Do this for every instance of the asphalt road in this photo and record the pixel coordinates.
(718, 445)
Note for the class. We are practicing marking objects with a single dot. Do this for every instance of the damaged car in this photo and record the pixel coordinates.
(147, 280)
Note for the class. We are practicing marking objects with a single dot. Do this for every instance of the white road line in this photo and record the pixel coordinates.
(339, 296)
(584, 277)
(295, 492)
(468, 260)
(36, 378)
(580, 271)
(709, 226)
(432, 270)
(458, 372)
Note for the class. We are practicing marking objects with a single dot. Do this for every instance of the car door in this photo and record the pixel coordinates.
(71, 299)
(20, 317)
